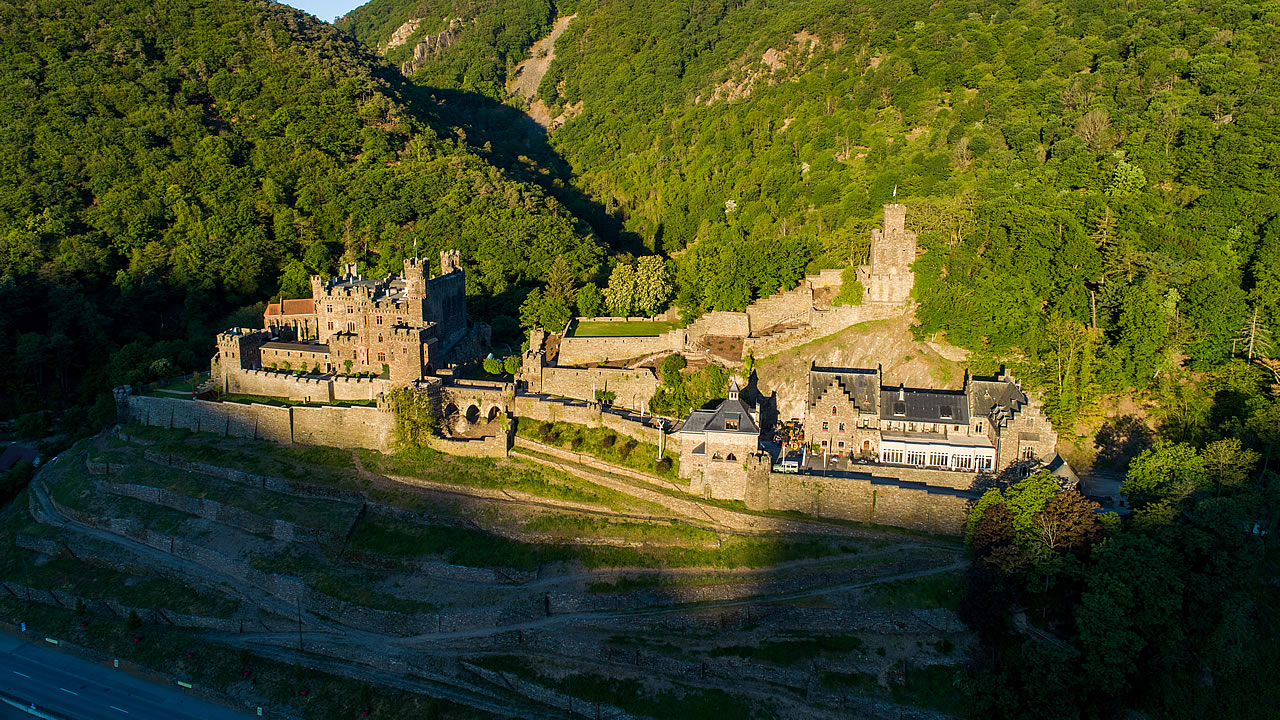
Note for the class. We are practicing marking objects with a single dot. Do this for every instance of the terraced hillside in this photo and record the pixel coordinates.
(503, 587)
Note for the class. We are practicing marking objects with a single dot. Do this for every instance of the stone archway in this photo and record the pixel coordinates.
(492, 414)
(473, 414)
(450, 410)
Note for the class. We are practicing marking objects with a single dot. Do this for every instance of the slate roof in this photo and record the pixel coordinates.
(949, 407)
(718, 420)
(986, 396)
(860, 385)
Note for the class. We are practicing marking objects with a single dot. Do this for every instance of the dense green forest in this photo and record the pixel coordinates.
(1094, 184)
(162, 166)
(1095, 190)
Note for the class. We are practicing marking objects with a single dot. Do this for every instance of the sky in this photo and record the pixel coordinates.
(326, 10)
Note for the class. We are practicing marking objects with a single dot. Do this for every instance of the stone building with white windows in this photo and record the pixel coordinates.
(988, 426)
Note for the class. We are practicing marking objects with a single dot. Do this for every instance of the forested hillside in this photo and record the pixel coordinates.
(1095, 184)
(164, 164)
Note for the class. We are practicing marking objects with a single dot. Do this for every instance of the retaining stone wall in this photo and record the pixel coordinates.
(862, 501)
(491, 446)
(822, 324)
(585, 350)
(632, 387)
(344, 427)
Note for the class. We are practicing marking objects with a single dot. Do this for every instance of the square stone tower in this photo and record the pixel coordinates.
(888, 278)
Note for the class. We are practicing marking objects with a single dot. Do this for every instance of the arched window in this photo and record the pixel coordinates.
(716, 457)
(730, 457)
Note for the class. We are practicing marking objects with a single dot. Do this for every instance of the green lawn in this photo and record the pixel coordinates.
(635, 328)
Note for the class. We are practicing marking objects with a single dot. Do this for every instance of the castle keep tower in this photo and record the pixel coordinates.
(888, 278)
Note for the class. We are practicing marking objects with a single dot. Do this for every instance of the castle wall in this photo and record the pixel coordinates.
(447, 304)
(305, 388)
(791, 306)
(930, 510)
(732, 324)
(822, 323)
(583, 351)
(344, 427)
(631, 387)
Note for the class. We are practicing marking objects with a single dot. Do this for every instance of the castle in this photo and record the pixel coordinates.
(399, 329)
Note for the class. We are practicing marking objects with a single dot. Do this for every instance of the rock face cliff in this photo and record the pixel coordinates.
(430, 45)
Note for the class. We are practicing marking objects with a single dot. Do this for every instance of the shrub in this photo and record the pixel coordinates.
(608, 440)
(662, 465)
(851, 289)
(576, 442)
(624, 450)
(544, 430)
(493, 365)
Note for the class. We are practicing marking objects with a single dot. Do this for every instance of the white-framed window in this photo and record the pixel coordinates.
(915, 457)
(893, 456)
(938, 459)
(962, 462)
(985, 463)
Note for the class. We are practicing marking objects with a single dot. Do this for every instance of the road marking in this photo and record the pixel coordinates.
(126, 712)
(15, 672)
(68, 691)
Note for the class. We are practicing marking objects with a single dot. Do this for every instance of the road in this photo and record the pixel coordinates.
(64, 686)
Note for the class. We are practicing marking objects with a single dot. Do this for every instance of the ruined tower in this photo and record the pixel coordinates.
(888, 278)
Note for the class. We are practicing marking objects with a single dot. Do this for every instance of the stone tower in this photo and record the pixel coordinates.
(888, 278)
(450, 261)
(415, 279)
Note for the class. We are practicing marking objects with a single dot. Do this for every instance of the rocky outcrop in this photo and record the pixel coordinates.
(430, 46)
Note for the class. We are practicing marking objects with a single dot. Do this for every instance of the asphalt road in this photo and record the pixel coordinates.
(67, 687)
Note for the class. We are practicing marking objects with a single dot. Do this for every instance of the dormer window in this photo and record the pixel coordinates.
(731, 421)
(900, 409)
(944, 412)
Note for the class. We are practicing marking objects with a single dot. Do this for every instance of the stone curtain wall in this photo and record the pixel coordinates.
(718, 322)
(824, 323)
(348, 427)
(632, 387)
(793, 305)
(306, 389)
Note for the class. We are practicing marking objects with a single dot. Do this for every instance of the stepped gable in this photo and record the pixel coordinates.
(949, 407)
(860, 385)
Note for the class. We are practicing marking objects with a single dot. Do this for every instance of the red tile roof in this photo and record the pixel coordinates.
(305, 306)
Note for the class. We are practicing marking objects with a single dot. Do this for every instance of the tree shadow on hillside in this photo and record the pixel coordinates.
(1119, 440)
(510, 139)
